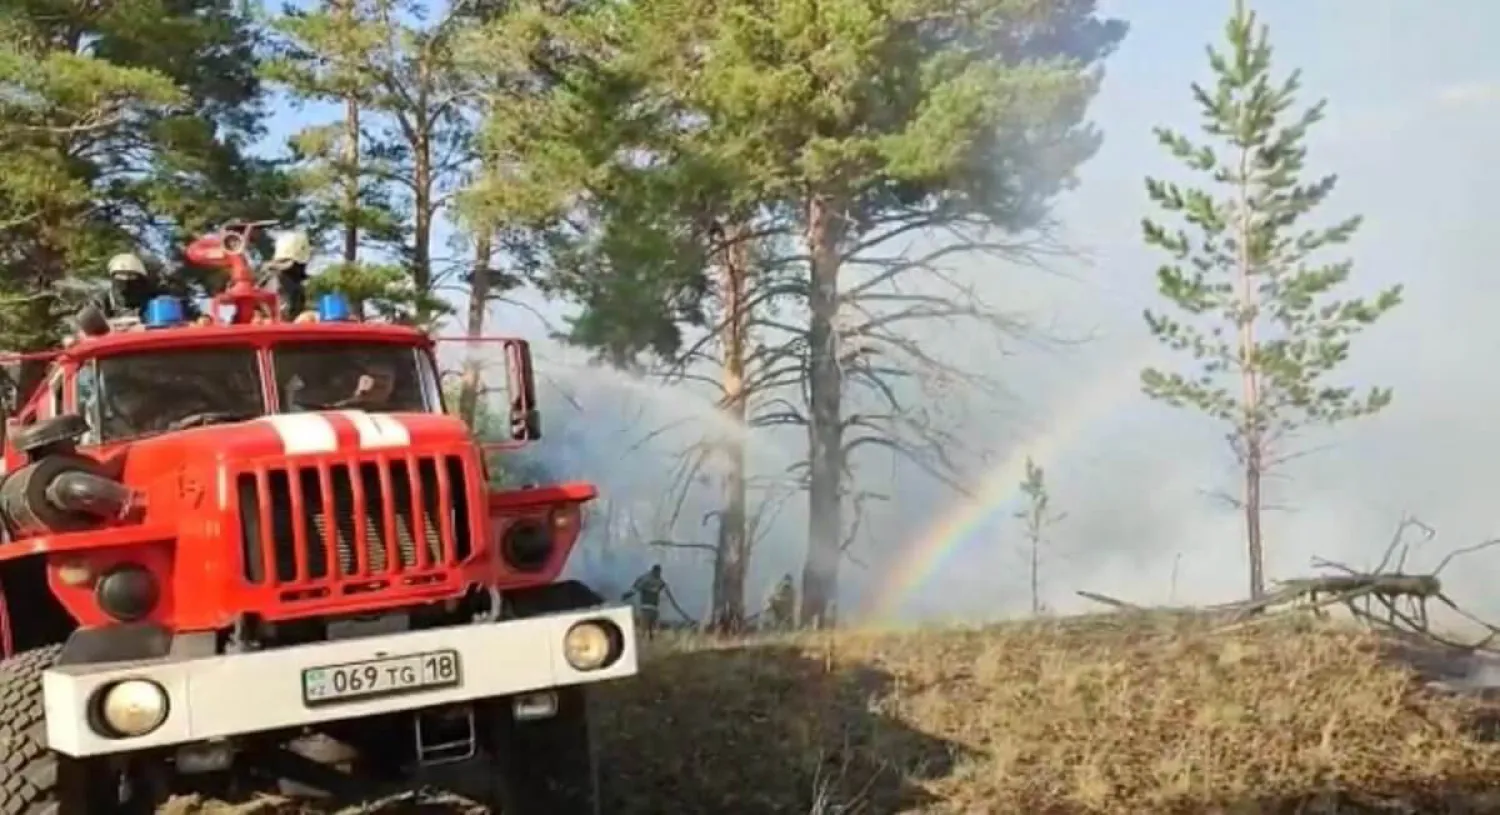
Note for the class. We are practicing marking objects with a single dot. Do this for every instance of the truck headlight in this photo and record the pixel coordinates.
(592, 644)
(131, 708)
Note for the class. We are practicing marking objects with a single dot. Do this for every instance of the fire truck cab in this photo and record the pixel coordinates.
(250, 552)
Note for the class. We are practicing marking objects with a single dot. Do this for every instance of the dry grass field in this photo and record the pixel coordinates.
(1105, 715)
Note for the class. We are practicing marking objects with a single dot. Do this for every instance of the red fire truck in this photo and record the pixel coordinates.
(228, 538)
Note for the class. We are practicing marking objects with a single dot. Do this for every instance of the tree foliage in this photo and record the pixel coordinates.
(1258, 305)
(383, 290)
(611, 206)
(383, 174)
(123, 127)
(826, 130)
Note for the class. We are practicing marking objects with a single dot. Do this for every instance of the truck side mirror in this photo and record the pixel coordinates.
(525, 418)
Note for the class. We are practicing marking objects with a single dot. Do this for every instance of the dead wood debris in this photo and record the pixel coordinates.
(1386, 597)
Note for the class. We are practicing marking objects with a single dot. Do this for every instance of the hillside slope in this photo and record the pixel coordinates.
(1100, 716)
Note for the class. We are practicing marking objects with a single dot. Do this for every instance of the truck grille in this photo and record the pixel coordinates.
(356, 521)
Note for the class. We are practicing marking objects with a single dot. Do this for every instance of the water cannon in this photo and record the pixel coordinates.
(234, 243)
(226, 249)
(219, 249)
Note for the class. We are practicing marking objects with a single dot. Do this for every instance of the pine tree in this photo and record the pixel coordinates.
(124, 127)
(321, 56)
(1037, 517)
(849, 126)
(58, 100)
(662, 252)
(1257, 306)
(381, 175)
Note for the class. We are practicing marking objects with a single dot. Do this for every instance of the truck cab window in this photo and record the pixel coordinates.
(152, 392)
(376, 377)
(86, 391)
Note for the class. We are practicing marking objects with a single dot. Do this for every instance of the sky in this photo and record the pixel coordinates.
(1414, 94)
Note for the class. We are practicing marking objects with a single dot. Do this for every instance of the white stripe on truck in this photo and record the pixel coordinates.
(304, 433)
(377, 430)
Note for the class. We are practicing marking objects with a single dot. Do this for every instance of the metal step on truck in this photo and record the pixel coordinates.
(228, 535)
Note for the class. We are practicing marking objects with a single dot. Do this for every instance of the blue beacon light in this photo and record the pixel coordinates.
(333, 308)
(164, 312)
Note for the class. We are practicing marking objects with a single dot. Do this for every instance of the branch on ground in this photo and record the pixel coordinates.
(1387, 597)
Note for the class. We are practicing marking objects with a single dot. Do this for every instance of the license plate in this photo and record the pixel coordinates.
(388, 676)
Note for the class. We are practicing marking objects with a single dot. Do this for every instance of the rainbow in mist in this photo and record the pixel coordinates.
(925, 556)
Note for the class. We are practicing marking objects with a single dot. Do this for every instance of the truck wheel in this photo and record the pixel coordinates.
(31, 776)
(545, 766)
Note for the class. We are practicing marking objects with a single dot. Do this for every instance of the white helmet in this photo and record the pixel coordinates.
(292, 247)
(126, 265)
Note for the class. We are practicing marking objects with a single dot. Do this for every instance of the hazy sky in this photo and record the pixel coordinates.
(1414, 92)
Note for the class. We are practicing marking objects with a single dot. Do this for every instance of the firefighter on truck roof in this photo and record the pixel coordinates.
(287, 273)
(130, 286)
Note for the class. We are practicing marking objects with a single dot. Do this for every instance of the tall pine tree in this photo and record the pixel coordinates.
(1256, 300)
(863, 121)
(842, 125)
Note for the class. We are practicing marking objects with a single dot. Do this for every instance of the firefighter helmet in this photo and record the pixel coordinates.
(127, 264)
(292, 247)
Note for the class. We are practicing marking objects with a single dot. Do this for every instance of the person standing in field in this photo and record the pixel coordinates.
(782, 605)
(649, 587)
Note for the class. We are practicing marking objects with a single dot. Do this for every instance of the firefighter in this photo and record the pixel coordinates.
(650, 587)
(288, 272)
(130, 286)
(782, 605)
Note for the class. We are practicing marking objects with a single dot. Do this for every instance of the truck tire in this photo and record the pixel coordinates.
(29, 772)
(548, 766)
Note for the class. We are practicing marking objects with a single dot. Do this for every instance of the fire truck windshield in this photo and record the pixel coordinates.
(378, 377)
(129, 395)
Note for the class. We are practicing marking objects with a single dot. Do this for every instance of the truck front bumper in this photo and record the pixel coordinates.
(234, 694)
